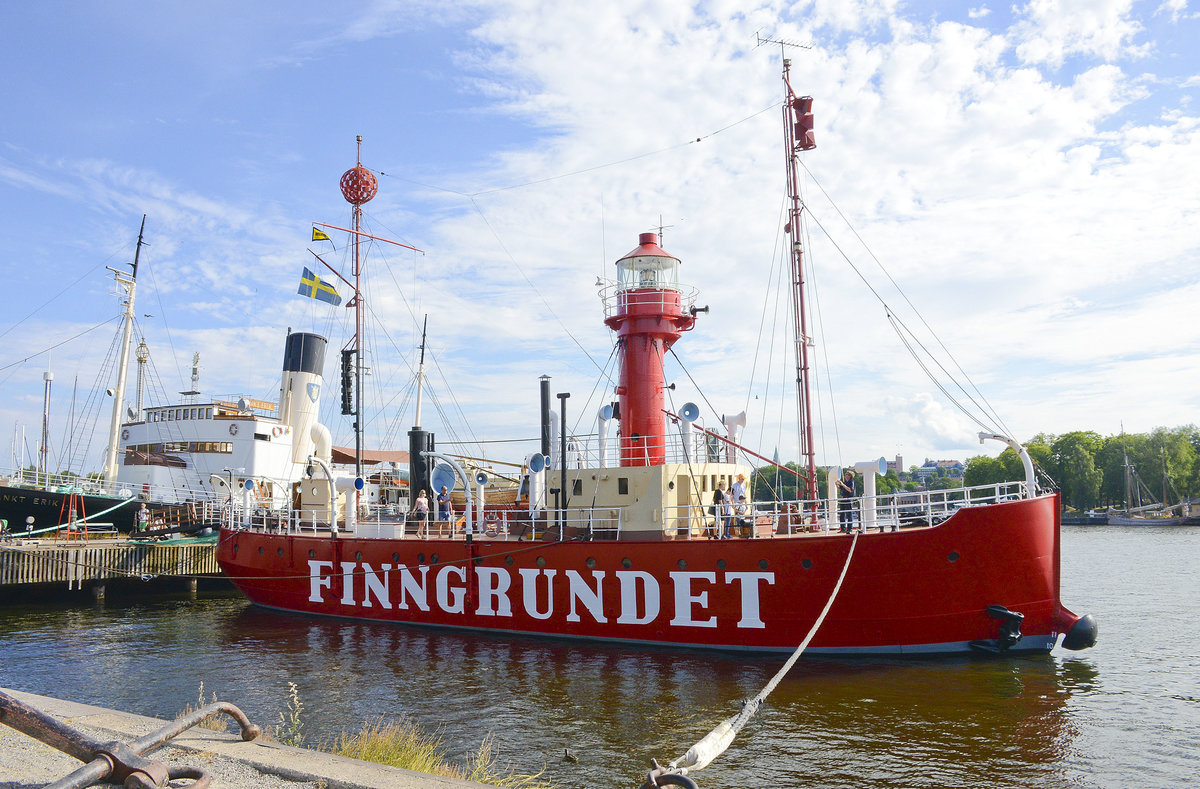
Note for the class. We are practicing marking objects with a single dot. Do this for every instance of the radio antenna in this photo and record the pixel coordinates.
(782, 42)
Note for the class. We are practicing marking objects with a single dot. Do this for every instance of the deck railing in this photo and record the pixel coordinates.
(761, 519)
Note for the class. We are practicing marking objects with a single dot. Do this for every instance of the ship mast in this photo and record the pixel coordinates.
(358, 186)
(798, 136)
(129, 282)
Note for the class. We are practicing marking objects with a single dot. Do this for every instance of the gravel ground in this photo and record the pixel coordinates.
(26, 762)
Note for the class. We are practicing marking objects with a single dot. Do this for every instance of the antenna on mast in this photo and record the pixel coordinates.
(782, 42)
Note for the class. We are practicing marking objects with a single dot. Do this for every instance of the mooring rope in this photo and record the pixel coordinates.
(715, 742)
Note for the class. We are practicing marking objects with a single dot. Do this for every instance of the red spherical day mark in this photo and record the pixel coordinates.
(359, 185)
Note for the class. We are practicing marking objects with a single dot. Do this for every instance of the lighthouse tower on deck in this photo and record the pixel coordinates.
(648, 317)
(659, 490)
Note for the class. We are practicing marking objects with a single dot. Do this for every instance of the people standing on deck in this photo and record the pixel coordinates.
(846, 494)
(726, 513)
(738, 491)
(143, 518)
(421, 509)
(720, 500)
(445, 510)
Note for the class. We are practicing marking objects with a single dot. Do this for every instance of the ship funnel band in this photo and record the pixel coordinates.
(304, 353)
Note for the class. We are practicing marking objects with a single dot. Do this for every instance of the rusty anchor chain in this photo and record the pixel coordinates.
(114, 761)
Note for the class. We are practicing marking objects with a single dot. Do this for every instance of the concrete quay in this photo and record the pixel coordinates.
(26, 763)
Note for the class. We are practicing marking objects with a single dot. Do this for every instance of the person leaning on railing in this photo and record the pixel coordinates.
(846, 495)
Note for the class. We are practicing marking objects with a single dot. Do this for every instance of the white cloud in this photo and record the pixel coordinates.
(1055, 29)
(1043, 228)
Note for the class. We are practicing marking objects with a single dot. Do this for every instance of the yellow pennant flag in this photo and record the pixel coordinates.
(319, 235)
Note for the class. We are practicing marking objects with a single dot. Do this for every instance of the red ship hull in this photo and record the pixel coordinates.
(918, 590)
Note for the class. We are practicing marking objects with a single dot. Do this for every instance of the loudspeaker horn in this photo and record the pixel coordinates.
(537, 462)
(737, 419)
(481, 478)
(606, 412)
(442, 475)
(689, 413)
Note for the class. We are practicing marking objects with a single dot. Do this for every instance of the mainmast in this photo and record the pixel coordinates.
(358, 186)
(798, 136)
(129, 282)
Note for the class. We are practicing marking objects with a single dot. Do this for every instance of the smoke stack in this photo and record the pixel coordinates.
(300, 392)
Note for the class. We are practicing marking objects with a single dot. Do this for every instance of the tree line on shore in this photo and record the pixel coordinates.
(1089, 469)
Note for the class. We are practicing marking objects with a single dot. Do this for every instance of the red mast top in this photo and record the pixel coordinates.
(648, 318)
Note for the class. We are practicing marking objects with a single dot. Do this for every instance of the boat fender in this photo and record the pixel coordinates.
(1083, 634)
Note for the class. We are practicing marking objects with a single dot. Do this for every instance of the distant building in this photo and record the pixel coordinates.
(896, 465)
(954, 468)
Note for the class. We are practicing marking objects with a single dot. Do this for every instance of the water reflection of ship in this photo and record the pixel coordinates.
(943, 722)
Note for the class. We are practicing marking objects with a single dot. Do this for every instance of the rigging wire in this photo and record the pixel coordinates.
(989, 411)
(50, 300)
(534, 287)
(585, 170)
(58, 344)
(892, 317)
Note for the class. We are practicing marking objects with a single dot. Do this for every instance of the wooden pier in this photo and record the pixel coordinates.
(74, 566)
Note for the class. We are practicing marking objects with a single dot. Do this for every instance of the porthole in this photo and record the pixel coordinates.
(395, 557)
(721, 564)
(279, 551)
(433, 559)
(312, 554)
(260, 550)
(762, 564)
(806, 564)
(682, 564)
(626, 563)
(358, 556)
(508, 560)
(591, 562)
(541, 561)
(420, 558)
(235, 549)
(953, 556)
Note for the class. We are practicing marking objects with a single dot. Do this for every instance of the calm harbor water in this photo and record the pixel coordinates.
(1126, 713)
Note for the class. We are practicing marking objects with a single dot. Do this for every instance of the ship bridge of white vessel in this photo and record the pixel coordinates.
(195, 449)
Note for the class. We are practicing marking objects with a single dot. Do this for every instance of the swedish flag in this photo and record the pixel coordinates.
(312, 286)
(320, 235)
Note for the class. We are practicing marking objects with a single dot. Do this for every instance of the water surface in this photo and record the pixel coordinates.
(1126, 713)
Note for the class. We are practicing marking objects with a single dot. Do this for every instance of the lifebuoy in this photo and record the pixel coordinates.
(233, 429)
(124, 435)
(277, 431)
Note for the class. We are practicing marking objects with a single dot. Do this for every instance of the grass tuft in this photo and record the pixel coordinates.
(215, 723)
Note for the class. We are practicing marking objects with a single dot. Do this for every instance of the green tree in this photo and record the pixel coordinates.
(1079, 479)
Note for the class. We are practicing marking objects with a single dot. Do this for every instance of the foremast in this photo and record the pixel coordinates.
(798, 136)
(129, 283)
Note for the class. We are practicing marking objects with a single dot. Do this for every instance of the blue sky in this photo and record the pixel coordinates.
(1025, 171)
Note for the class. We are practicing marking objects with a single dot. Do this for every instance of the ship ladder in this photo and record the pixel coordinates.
(716, 741)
